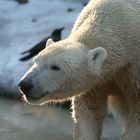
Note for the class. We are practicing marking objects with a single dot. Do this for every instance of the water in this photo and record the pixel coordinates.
(23, 122)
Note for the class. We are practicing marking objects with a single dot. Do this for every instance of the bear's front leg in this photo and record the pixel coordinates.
(132, 131)
(88, 112)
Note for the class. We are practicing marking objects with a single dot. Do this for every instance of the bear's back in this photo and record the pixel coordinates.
(109, 23)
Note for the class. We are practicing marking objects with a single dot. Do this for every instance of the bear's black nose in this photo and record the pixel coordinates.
(25, 87)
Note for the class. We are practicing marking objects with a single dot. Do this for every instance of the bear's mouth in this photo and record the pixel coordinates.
(30, 99)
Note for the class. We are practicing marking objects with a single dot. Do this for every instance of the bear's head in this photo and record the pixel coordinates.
(62, 70)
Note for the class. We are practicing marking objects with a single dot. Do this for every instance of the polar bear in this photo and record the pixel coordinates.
(97, 65)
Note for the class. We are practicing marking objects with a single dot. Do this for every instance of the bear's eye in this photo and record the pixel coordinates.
(55, 67)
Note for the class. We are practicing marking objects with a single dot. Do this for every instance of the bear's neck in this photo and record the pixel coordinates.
(89, 40)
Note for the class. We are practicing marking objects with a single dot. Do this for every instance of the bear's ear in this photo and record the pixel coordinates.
(96, 58)
(49, 42)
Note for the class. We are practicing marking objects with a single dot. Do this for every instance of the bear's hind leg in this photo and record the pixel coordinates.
(132, 131)
(88, 113)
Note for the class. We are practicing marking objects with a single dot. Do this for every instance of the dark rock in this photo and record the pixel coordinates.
(56, 36)
(34, 20)
(84, 4)
(70, 9)
(22, 1)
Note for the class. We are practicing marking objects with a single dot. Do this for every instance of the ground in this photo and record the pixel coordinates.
(19, 121)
